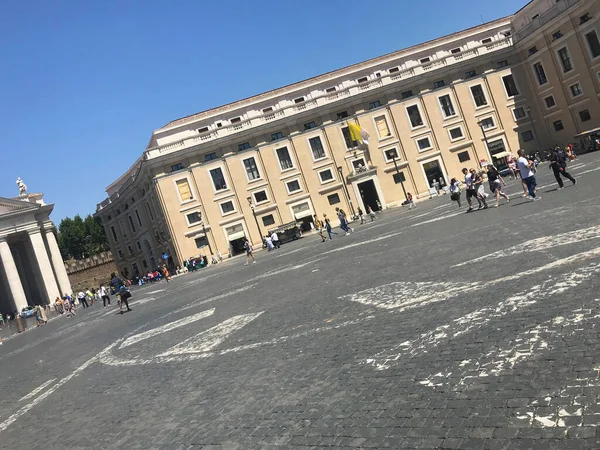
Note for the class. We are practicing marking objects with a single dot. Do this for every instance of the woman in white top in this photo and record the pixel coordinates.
(455, 191)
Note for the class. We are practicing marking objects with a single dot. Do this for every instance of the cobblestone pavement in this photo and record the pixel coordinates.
(429, 328)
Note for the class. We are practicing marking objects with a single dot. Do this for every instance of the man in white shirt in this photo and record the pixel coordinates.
(525, 167)
(470, 189)
(275, 239)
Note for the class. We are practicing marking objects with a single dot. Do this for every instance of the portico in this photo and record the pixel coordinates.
(32, 271)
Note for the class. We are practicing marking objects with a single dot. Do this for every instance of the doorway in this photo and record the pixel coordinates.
(237, 246)
(497, 147)
(369, 196)
(433, 172)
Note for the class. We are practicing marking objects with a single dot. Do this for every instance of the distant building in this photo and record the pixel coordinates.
(32, 271)
(527, 81)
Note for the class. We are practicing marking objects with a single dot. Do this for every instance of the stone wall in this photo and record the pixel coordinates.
(90, 272)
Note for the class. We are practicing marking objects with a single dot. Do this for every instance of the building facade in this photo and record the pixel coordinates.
(531, 81)
(32, 270)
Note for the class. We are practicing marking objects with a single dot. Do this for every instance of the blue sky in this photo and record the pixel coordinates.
(84, 83)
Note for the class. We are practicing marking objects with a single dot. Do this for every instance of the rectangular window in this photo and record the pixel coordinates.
(176, 167)
(333, 199)
(502, 64)
(243, 146)
(487, 123)
(342, 115)
(330, 90)
(121, 256)
(183, 187)
(362, 80)
(486, 41)
(456, 133)
(533, 50)
(576, 90)
(519, 113)
(550, 102)
(150, 211)
(510, 86)
(540, 73)
(557, 35)
(293, 186)
(424, 143)
(439, 84)
(326, 175)
(278, 135)
(260, 196)
(316, 147)
(299, 100)
(455, 50)
(585, 115)
(390, 154)
(558, 125)
(348, 138)
(424, 60)
(585, 18)
(470, 74)
(227, 207)
(394, 70)
(268, 220)
(309, 125)
(375, 104)
(463, 157)
(114, 233)
(251, 169)
(202, 130)
(565, 59)
(236, 120)
(382, 127)
(527, 136)
(139, 246)
(194, 217)
(407, 94)
(267, 110)
(131, 223)
(447, 106)
(201, 241)
(210, 156)
(415, 116)
(593, 43)
(478, 95)
(139, 219)
(218, 179)
(285, 161)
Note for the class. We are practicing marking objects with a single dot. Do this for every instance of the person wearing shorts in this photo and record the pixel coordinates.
(496, 183)
(249, 252)
(470, 189)
(319, 227)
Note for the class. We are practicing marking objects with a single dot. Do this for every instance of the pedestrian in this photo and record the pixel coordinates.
(496, 182)
(442, 184)
(525, 169)
(470, 189)
(89, 294)
(361, 215)
(249, 252)
(411, 202)
(82, 299)
(343, 223)
(371, 213)
(378, 203)
(328, 226)
(478, 186)
(455, 191)
(558, 164)
(122, 293)
(104, 295)
(69, 308)
(319, 227)
(165, 273)
(436, 185)
(275, 239)
(269, 242)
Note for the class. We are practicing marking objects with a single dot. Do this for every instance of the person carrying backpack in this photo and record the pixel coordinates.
(558, 164)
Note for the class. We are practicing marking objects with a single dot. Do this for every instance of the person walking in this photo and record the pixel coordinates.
(82, 299)
(471, 189)
(104, 295)
(558, 164)
(496, 182)
(525, 169)
(328, 226)
(121, 291)
(477, 178)
(275, 239)
(343, 223)
(319, 227)
(69, 308)
(361, 215)
(269, 242)
(371, 213)
(455, 191)
(165, 273)
(411, 202)
(249, 252)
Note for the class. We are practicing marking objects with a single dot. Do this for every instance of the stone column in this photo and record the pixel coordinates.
(12, 275)
(41, 256)
(58, 264)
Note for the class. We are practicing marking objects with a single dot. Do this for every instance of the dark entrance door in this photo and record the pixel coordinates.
(237, 246)
(496, 147)
(369, 196)
(433, 171)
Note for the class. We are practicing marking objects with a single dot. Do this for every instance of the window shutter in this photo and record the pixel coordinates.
(382, 126)
(184, 190)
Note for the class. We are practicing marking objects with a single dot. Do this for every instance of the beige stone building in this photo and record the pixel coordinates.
(32, 271)
(531, 80)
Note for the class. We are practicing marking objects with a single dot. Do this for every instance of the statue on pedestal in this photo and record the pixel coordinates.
(22, 186)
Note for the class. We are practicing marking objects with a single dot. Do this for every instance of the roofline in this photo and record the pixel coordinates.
(183, 120)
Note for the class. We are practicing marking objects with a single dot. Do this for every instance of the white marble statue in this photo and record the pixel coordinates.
(22, 187)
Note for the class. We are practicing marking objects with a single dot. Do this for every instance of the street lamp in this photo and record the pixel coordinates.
(207, 240)
(487, 144)
(255, 218)
(528, 109)
(399, 177)
(340, 169)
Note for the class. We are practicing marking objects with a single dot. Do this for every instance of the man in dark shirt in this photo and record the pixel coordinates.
(558, 164)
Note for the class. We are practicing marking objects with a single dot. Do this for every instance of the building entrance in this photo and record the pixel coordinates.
(497, 147)
(433, 172)
(369, 196)
(236, 246)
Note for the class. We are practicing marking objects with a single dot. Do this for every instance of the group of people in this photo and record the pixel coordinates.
(526, 167)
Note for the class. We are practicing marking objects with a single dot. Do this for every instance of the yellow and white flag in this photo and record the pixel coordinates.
(358, 134)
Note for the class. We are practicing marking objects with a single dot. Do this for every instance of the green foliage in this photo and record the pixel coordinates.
(80, 238)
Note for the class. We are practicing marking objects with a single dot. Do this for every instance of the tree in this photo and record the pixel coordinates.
(79, 238)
